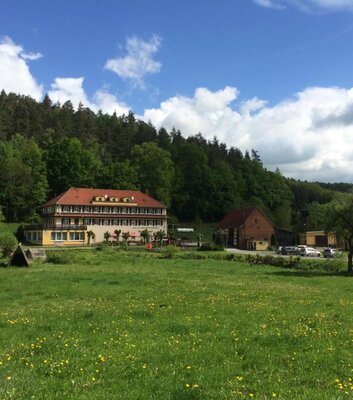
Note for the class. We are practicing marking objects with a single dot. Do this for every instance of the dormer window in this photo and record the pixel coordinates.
(99, 198)
(114, 199)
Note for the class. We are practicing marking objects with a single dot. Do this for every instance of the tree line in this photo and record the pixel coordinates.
(45, 148)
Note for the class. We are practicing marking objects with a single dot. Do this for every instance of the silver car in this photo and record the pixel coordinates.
(310, 252)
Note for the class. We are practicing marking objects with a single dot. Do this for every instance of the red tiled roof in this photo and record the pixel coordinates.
(84, 196)
(237, 217)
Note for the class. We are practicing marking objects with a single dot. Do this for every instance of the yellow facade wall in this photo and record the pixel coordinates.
(259, 245)
(46, 238)
(309, 238)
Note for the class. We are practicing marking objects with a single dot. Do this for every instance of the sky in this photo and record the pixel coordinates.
(271, 75)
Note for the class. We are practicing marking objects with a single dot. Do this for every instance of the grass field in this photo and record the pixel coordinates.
(128, 326)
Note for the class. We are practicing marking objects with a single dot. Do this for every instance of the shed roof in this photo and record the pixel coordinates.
(84, 196)
(19, 258)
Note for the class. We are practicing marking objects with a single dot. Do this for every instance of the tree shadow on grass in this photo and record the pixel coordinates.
(311, 274)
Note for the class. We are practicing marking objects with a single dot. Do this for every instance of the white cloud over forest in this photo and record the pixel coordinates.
(138, 62)
(15, 75)
(308, 136)
(71, 89)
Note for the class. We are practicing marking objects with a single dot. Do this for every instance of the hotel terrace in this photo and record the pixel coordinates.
(67, 218)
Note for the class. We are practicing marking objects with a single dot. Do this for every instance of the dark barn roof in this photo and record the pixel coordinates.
(236, 217)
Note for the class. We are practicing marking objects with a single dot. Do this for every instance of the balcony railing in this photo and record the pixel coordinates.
(55, 227)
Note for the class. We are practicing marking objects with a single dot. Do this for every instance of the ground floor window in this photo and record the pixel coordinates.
(77, 236)
(59, 236)
(34, 236)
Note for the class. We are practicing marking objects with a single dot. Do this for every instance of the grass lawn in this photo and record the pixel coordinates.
(128, 326)
(206, 229)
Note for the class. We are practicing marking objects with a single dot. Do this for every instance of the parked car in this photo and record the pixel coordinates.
(289, 250)
(310, 252)
(330, 252)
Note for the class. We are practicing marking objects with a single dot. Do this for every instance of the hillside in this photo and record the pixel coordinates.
(45, 148)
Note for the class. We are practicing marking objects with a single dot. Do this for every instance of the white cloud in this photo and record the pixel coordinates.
(334, 4)
(308, 136)
(207, 112)
(138, 61)
(269, 4)
(307, 5)
(32, 56)
(64, 89)
(15, 75)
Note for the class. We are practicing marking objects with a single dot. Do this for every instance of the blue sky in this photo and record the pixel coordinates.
(273, 75)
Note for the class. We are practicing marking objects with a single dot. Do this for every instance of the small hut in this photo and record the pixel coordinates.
(19, 258)
(36, 254)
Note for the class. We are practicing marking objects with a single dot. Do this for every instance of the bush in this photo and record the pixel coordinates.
(210, 246)
(219, 238)
(7, 244)
(169, 251)
(68, 257)
(194, 255)
(291, 262)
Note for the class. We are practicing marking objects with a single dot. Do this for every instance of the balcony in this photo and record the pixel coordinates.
(41, 227)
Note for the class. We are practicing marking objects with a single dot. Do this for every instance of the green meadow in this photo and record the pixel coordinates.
(114, 325)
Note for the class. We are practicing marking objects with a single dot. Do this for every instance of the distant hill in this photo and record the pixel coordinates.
(45, 148)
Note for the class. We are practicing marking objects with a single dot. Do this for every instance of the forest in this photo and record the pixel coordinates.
(45, 148)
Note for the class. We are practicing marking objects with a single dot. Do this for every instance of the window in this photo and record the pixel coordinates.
(77, 236)
(66, 209)
(34, 236)
(57, 236)
(66, 221)
(86, 209)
